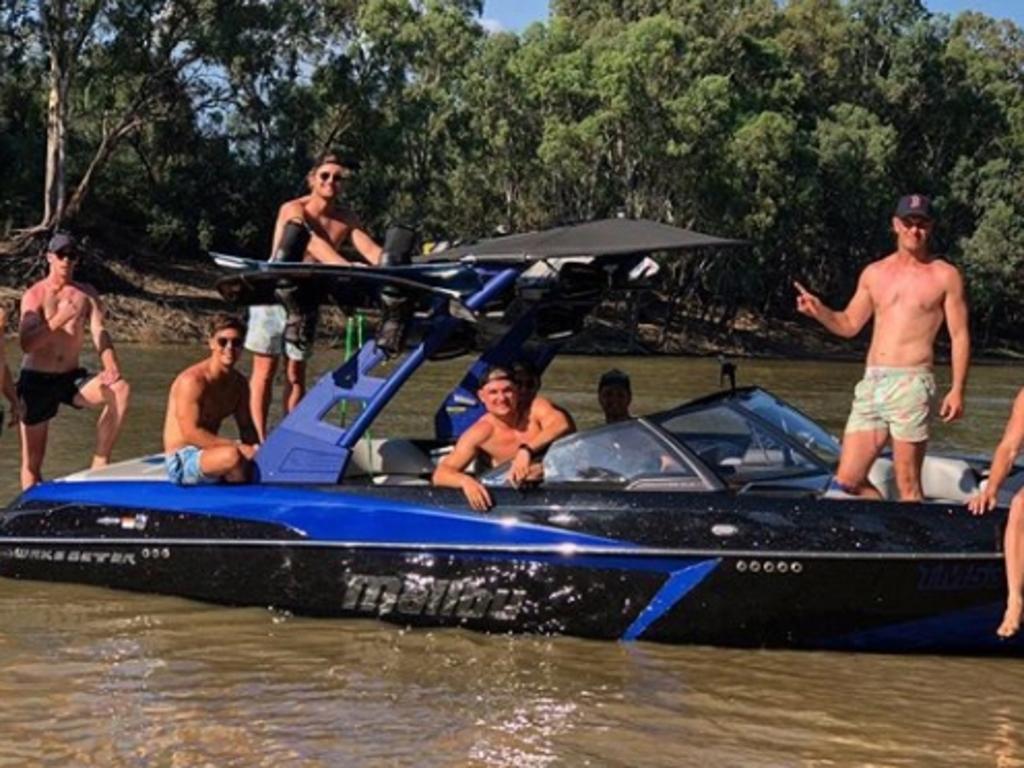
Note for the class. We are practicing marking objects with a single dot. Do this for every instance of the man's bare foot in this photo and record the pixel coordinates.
(98, 462)
(1012, 617)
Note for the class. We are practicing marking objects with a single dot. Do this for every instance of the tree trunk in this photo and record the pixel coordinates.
(106, 149)
(55, 187)
(66, 27)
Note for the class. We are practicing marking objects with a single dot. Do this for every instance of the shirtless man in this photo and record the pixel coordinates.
(309, 228)
(1013, 539)
(54, 313)
(505, 432)
(7, 385)
(908, 293)
(201, 397)
(546, 420)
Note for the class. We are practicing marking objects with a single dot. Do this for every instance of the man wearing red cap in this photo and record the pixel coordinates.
(54, 314)
(908, 294)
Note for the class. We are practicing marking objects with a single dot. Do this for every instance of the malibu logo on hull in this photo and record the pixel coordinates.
(427, 596)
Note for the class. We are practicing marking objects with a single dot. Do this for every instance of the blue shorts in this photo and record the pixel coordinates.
(266, 333)
(183, 466)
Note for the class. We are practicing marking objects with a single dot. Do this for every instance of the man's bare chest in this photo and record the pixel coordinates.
(908, 291)
(332, 229)
(217, 404)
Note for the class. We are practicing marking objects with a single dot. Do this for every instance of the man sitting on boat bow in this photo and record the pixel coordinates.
(508, 431)
(201, 397)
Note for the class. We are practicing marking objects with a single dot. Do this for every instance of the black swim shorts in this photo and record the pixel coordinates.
(41, 393)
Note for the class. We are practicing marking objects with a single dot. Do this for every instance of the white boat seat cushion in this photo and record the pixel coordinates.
(388, 456)
(942, 477)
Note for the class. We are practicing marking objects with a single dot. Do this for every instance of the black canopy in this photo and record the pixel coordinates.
(605, 237)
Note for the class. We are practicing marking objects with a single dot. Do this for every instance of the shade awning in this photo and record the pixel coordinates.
(605, 237)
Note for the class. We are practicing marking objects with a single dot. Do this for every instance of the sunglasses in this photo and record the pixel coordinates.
(66, 255)
(916, 223)
(224, 342)
(335, 178)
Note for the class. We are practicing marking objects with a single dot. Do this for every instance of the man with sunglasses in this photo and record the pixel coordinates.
(313, 227)
(909, 294)
(54, 315)
(201, 397)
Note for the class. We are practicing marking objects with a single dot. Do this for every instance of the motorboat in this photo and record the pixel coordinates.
(714, 522)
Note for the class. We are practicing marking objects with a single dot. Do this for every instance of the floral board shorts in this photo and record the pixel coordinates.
(898, 400)
(266, 334)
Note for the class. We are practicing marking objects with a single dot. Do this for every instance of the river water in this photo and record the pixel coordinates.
(94, 677)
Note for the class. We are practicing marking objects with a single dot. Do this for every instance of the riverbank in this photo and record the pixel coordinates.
(151, 300)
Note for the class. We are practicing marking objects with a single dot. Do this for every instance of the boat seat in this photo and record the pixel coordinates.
(942, 477)
(390, 461)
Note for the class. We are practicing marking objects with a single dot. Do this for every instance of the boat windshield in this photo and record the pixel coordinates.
(793, 423)
(615, 454)
(734, 444)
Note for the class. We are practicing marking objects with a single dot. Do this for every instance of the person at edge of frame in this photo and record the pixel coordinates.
(1013, 539)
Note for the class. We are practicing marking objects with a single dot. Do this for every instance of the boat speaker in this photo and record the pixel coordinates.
(396, 307)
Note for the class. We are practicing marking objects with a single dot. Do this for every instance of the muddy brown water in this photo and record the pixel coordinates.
(94, 677)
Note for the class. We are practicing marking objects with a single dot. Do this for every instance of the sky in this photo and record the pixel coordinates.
(514, 15)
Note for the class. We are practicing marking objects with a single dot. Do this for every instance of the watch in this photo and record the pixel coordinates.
(525, 447)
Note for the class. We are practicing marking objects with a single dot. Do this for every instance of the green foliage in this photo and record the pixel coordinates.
(793, 124)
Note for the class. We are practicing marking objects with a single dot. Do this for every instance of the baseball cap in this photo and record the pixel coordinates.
(61, 241)
(343, 157)
(914, 205)
(495, 373)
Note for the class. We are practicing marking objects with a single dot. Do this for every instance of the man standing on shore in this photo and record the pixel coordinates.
(309, 228)
(201, 397)
(908, 293)
(54, 312)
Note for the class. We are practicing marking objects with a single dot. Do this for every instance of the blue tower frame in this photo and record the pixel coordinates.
(306, 449)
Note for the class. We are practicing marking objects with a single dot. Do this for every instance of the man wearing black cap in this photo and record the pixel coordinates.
(615, 395)
(309, 228)
(908, 293)
(506, 432)
(54, 315)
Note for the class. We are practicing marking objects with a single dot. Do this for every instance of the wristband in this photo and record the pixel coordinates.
(525, 447)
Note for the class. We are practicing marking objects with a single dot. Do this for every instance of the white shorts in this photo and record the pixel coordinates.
(265, 335)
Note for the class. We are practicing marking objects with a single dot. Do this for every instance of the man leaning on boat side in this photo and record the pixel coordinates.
(1013, 539)
(544, 418)
(201, 397)
(504, 433)
(54, 314)
(311, 228)
(908, 293)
